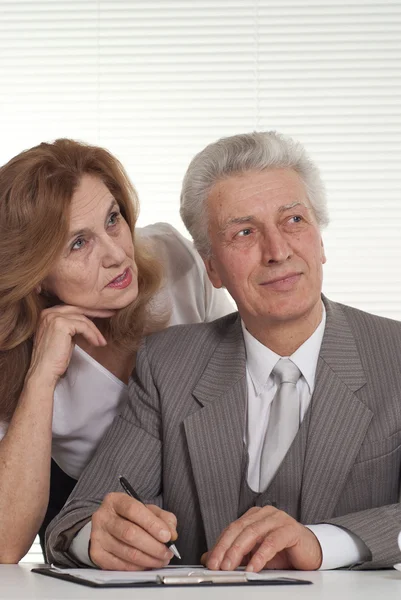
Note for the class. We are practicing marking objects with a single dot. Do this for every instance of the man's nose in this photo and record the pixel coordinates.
(113, 251)
(275, 247)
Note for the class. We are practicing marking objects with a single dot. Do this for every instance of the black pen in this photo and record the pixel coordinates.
(128, 489)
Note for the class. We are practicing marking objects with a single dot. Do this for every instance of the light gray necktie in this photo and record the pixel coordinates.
(283, 421)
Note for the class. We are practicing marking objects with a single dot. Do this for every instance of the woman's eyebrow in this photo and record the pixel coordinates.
(78, 233)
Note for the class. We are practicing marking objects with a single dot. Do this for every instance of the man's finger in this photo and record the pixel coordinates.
(168, 517)
(252, 536)
(132, 535)
(134, 556)
(229, 537)
(109, 562)
(277, 540)
(138, 513)
(278, 563)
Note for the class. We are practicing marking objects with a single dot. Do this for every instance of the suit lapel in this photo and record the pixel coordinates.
(338, 420)
(215, 434)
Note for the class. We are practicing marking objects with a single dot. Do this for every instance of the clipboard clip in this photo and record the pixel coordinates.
(206, 578)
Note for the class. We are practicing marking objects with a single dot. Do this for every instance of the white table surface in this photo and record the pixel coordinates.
(17, 582)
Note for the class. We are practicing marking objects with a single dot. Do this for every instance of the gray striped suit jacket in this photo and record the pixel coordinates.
(180, 438)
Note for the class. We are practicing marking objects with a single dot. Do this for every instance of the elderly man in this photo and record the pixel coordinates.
(270, 437)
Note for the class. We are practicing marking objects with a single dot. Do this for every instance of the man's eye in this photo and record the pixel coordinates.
(113, 219)
(78, 244)
(244, 232)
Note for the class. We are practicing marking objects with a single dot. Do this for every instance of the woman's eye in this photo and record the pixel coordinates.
(113, 219)
(296, 219)
(78, 244)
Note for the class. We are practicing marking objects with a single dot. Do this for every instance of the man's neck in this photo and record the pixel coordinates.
(285, 337)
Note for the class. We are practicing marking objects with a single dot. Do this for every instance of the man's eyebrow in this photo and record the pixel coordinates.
(292, 205)
(237, 221)
(253, 219)
(85, 229)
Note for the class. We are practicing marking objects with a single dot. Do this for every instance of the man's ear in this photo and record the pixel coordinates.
(212, 271)
(322, 253)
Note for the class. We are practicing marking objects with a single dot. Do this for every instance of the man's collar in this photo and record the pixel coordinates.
(261, 360)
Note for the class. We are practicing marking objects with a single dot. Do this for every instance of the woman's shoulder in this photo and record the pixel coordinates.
(187, 289)
(159, 229)
(168, 243)
(182, 290)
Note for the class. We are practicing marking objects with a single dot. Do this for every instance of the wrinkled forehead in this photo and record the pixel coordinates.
(89, 199)
(274, 188)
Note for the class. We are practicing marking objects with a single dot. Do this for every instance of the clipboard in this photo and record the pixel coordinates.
(166, 578)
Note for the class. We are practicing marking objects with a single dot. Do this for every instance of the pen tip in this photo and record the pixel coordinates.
(175, 551)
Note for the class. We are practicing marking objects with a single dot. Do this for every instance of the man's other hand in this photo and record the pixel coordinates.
(265, 538)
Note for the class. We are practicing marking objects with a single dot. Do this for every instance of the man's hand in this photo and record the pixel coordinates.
(265, 538)
(128, 535)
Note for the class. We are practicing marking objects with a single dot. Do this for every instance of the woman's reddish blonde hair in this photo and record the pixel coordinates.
(36, 188)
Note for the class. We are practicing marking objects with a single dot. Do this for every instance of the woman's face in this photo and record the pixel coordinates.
(97, 266)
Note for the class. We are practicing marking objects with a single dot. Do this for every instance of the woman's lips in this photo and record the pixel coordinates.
(122, 281)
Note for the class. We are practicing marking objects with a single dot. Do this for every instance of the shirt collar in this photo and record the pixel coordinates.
(261, 360)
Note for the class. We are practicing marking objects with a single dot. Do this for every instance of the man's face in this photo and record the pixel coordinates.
(266, 246)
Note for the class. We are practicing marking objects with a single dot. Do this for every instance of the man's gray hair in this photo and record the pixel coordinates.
(238, 154)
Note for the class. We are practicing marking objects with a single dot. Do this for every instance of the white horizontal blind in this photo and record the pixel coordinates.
(155, 81)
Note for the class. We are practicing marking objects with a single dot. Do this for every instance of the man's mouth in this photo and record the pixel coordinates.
(282, 282)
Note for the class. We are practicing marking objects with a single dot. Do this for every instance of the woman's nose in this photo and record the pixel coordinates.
(113, 251)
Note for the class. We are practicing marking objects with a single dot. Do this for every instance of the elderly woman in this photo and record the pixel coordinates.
(78, 290)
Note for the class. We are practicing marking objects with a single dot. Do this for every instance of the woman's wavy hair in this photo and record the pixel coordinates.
(36, 189)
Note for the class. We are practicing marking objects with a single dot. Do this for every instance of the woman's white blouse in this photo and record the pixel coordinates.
(88, 396)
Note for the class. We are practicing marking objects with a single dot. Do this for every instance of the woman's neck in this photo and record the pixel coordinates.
(119, 363)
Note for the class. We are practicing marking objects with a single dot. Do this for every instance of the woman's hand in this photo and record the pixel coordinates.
(54, 339)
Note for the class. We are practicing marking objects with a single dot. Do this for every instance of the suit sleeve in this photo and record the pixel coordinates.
(131, 447)
(378, 528)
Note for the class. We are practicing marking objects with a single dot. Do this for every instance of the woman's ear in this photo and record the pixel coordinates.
(38, 289)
